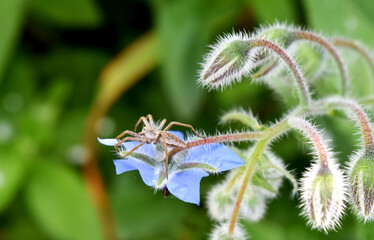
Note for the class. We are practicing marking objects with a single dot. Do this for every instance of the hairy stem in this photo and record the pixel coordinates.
(304, 94)
(330, 48)
(234, 137)
(232, 181)
(315, 137)
(255, 156)
(359, 114)
(259, 148)
(240, 116)
(356, 46)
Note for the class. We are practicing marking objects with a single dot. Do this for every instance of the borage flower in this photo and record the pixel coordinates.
(186, 168)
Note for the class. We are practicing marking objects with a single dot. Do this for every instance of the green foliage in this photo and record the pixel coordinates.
(12, 172)
(11, 13)
(186, 28)
(67, 13)
(54, 194)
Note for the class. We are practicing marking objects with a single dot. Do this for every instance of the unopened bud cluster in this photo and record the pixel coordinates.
(325, 187)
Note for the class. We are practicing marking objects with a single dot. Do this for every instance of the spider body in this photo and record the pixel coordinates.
(153, 133)
(153, 136)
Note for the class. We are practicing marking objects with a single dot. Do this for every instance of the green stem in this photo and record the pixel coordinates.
(260, 146)
(255, 156)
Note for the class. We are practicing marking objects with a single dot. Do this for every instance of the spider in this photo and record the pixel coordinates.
(153, 133)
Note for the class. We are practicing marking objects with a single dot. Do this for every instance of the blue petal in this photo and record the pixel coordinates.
(186, 185)
(147, 173)
(218, 156)
(146, 149)
(108, 141)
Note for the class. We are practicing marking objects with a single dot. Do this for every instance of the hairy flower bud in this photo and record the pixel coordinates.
(234, 57)
(220, 232)
(221, 202)
(229, 60)
(361, 179)
(323, 196)
(278, 33)
(253, 207)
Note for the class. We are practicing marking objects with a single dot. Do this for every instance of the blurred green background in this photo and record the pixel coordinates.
(72, 70)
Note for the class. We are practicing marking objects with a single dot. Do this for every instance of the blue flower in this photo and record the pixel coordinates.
(186, 168)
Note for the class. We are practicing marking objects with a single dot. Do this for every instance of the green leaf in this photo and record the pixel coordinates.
(350, 18)
(10, 22)
(67, 13)
(12, 171)
(59, 203)
(186, 28)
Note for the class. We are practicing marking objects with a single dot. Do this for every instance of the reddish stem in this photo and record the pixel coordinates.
(342, 42)
(304, 94)
(326, 44)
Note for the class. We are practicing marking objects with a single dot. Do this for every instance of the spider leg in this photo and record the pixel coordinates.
(175, 150)
(144, 120)
(127, 139)
(166, 156)
(127, 132)
(159, 131)
(183, 125)
(161, 125)
(132, 150)
(150, 119)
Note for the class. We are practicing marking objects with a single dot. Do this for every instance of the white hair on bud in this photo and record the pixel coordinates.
(321, 215)
(221, 202)
(323, 186)
(226, 73)
(220, 232)
(361, 195)
(253, 206)
(276, 25)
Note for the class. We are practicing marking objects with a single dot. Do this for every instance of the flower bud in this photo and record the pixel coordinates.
(253, 207)
(220, 202)
(278, 33)
(361, 179)
(229, 60)
(220, 232)
(323, 196)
